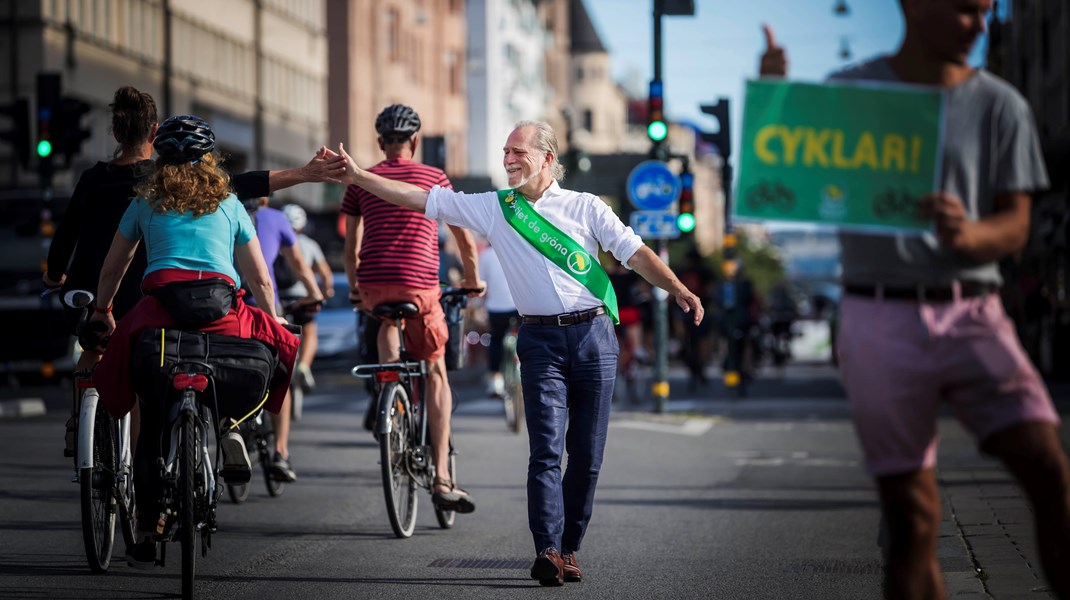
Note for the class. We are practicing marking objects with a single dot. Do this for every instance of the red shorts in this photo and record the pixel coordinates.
(900, 359)
(629, 315)
(425, 334)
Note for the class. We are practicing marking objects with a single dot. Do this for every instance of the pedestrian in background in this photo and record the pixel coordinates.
(501, 315)
(547, 239)
(922, 322)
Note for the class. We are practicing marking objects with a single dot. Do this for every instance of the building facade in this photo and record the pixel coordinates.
(228, 61)
(410, 52)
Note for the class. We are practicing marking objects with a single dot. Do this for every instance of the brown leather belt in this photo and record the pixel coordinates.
(565, 319)
(922, 293)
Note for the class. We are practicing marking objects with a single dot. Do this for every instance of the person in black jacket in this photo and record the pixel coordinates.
(104, 192)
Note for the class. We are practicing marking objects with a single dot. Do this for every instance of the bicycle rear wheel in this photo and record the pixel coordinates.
(188, 450)
(98, 492)
(297, 398)
(124, 483)
(399, 487)
(265, 449)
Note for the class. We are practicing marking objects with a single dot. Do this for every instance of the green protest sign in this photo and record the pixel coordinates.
(852, 156)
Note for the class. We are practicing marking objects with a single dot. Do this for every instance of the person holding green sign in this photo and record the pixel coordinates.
(922, 322)
(547, 239)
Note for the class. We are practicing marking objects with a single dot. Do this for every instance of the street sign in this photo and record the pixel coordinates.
(652, 186)
(655, 224)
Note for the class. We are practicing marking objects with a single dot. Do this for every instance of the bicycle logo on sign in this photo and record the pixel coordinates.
(895, 203)
(770, 194)
(658, 187)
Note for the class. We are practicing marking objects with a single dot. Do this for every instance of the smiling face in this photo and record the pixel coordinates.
(948, 29)
(528, 167)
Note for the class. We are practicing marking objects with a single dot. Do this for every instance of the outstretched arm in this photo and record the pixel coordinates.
(405, 195)
(111, 275)
(325, 167)
(466, 245)
(652, 269)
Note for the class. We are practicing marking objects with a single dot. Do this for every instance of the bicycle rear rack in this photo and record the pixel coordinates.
(412, 367)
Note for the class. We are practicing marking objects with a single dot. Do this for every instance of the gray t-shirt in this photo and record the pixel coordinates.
(990, 148)
(313, 254)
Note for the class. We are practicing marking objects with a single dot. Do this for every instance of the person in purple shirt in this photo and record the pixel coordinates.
(278, 237)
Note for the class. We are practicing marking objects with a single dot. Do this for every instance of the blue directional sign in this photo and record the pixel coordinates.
(652, 186)
(655, 224)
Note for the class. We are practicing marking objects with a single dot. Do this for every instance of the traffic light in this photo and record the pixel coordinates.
(685, 218)
(68, 134)
(19, 134)
(48, 86)
(656, 129)
(723, 138)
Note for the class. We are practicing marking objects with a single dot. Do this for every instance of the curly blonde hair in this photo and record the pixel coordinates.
(196, 187)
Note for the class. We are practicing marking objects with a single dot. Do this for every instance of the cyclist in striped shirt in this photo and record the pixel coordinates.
(391, 254)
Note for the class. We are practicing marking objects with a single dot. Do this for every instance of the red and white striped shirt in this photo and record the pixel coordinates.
(400, 246)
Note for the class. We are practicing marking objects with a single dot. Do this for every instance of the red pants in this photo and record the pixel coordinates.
(113, 378)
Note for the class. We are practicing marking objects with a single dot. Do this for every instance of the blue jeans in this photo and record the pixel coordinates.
(568, 375)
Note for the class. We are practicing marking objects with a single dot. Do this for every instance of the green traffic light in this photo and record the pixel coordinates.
(657, 130)
(685, 222)
(44, 148)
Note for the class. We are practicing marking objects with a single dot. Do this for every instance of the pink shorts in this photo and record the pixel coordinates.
(426, 334)
(900, 358)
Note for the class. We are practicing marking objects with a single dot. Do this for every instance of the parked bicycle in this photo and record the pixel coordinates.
(195, 378)
(260, 441)
(102, 457)
(401, 424)
(513, 396)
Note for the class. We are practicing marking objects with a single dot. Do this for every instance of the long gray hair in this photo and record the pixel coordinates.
(546, 141)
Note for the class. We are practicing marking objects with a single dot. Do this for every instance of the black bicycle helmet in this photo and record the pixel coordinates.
(183, 139)
(397, 118)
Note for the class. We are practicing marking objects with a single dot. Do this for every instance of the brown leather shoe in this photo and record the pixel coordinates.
(549, 568)
(572, 570)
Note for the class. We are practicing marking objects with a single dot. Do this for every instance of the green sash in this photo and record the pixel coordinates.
(562, 250)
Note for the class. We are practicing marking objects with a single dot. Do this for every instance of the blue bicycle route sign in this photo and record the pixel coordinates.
(652, 186)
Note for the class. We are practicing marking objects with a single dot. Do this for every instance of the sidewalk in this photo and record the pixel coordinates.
(986, 544)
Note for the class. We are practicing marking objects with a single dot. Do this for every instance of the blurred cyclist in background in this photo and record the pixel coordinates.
(314, 258)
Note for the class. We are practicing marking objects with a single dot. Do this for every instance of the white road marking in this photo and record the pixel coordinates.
(692, 427)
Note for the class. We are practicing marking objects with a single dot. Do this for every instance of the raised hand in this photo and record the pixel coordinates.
(774, 60)
(325, 167)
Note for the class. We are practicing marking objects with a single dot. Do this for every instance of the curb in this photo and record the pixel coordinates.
(22, 407)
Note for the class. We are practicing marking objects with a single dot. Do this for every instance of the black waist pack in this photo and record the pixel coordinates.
(241, 369)
(198, 301)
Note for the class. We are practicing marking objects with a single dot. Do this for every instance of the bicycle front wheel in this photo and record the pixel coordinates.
(399, 487)
(188, 492)
(97, 484)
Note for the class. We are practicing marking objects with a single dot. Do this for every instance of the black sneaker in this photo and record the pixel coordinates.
(282, 471)
(142, 555)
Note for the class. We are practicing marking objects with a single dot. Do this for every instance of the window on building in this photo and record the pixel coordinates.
(588, 120)
(393, 35)
(453, 72)
(579, 72)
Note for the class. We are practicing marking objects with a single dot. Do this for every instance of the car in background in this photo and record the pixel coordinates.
(337, 324)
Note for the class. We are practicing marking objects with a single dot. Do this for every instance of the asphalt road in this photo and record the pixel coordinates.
(762, 497)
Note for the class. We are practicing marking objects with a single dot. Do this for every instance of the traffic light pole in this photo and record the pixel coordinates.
(659, 388)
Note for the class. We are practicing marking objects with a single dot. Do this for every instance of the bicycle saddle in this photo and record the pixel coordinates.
(391, 310)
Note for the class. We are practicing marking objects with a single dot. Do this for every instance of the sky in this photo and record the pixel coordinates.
(712, 53)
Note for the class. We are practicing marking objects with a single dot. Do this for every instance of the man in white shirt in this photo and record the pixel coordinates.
(566, 343)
